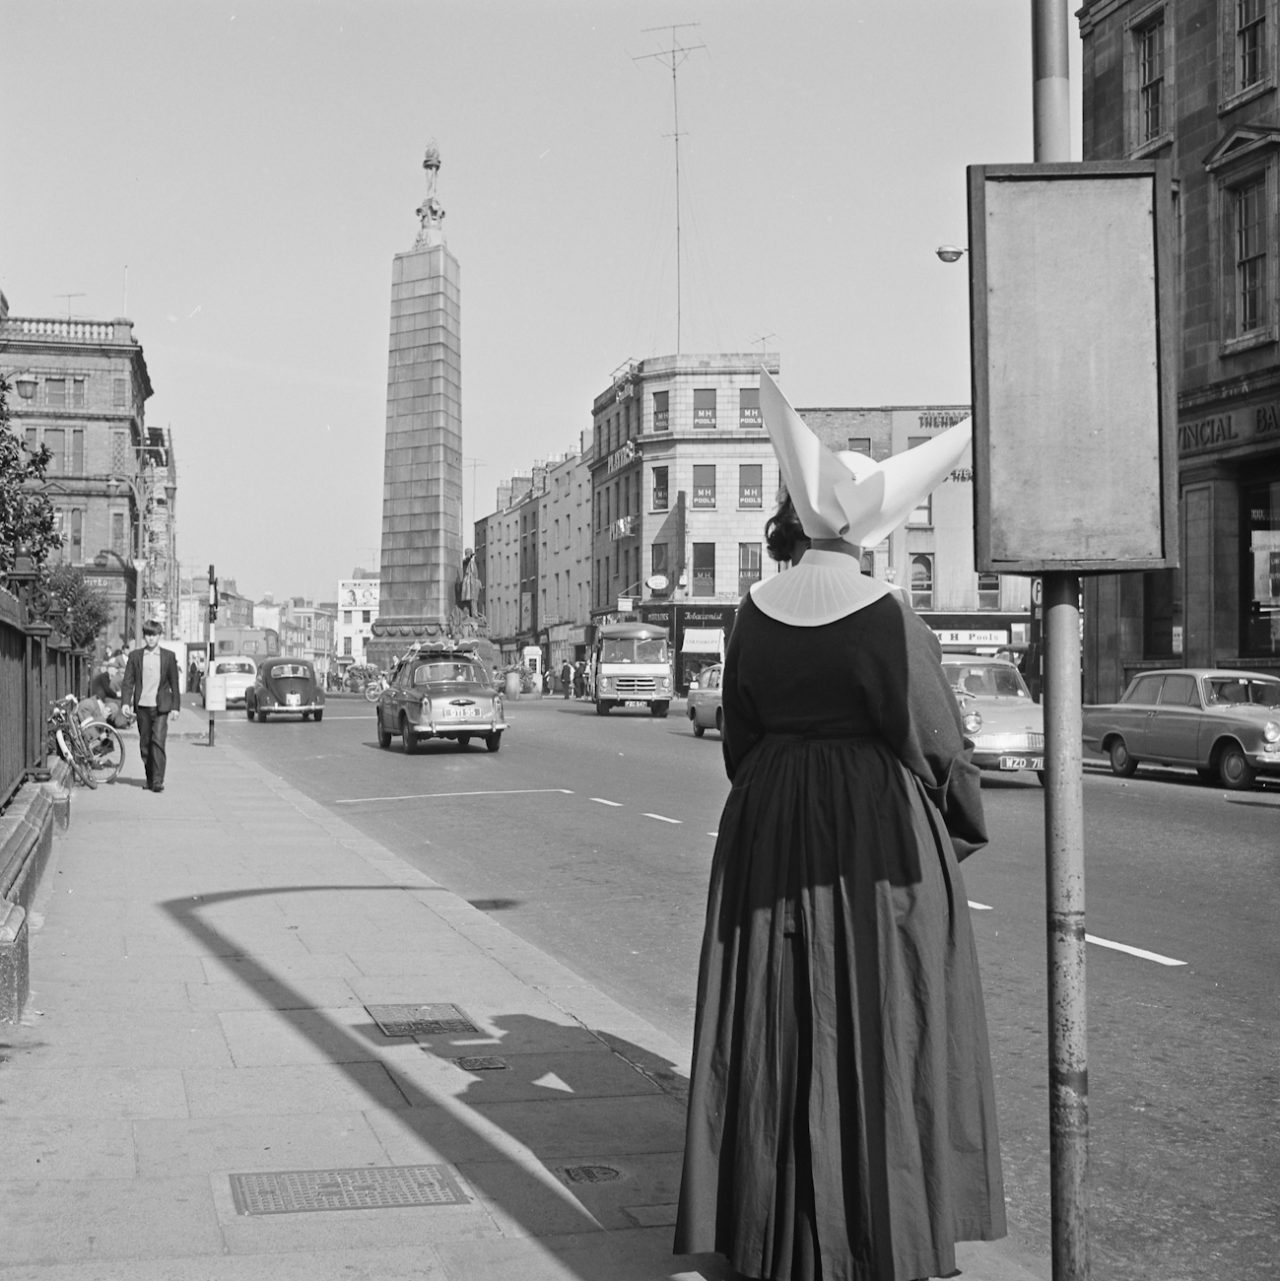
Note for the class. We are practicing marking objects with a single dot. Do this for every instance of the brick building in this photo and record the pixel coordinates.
(1196, 83)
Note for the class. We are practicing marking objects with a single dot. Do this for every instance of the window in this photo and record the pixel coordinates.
(1262, 566)
(1148, 80)
(659, 560)
(751, 485)
(1247, 49)
(1146, 689)
(1251, 34)
(661, 411)
(117, 393)
(1180, 691)
(77, 451)
(704, 407)
(1251, 256)
(55, 439)
(704, 569)
(860, 445)
(748, 566)
(922, 582)
(77, 535)
(366, 615)
(988, 591)
(55, 393)
(661, 500)
(31, 438)
(749, 407)
(1149, 39)
(117, 533)
(867, 564)
(346, 646)
(704, 485)
(77, 393)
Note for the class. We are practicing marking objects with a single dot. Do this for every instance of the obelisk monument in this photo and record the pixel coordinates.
(422, 468)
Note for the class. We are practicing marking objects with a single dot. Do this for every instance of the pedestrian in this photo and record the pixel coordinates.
(841, 1120)
(151, 692)
(193, 676)
(566, 678)
(579, 679)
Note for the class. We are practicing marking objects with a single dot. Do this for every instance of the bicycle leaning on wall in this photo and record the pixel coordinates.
(91, 747)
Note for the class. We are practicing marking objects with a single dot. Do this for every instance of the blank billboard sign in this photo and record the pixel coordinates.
(1074, 378)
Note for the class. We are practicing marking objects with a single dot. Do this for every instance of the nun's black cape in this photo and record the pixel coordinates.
(842, 1122)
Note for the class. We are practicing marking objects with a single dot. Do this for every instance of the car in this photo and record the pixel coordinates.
(285, 686)
(441, 689)
(1225, 724)
(999, 715)
(233, 676)
(704, 700)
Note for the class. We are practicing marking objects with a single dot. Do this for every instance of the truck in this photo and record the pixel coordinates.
(631, 667)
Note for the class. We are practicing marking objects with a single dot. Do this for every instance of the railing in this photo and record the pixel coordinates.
(37, 667)
(94, 331)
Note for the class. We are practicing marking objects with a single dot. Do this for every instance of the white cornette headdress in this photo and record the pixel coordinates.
(844, 496)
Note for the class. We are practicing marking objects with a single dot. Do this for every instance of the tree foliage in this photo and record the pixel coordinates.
(82, 611)
(26, 514)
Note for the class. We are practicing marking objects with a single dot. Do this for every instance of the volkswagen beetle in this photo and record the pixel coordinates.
(284, 686)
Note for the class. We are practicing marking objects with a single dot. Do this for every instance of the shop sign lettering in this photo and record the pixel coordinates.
(1218, 430)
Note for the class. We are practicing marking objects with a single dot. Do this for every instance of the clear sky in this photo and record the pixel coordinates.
(237, 177)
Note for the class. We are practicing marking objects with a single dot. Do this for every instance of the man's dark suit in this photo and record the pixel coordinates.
(153, 722)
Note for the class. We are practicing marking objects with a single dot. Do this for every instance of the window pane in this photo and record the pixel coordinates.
(860, 445)
(1151, 78)
(55, 391)
(1262, 551)
(748, 566)
(661, 413)
(704, 407)
(77, 393)
(704, 569)
(1251, 41)
(1251, 256)
(658, 559)
(988, 591)
(704, 486)
(749, 407)
(751, 485)
(56, 441)
(660, 497)
(922, 582)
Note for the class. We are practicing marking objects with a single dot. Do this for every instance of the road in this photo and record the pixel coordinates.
(591, 837)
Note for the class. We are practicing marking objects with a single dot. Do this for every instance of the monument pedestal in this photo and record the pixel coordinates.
(391, 638)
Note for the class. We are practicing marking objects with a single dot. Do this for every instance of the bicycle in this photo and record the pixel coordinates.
(93, 749)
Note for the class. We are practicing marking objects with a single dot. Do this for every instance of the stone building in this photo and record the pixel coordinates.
(80, 387)
(1196, 83)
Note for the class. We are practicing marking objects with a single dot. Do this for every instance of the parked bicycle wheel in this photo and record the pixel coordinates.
(105, 751)
(75, 752)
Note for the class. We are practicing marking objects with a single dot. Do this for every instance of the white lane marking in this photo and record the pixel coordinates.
(1133, 951)
(662, 818)
(599, 800)
(981, 907)
(432, 796)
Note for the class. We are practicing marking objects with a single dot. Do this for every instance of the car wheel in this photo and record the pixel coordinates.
(306, 716)
(319, 716)
(602, 708)
(410, 743)
(660, 709)
(1040, 776)
(1209, 776)
(384, 735)
(719, 722)
(261, 715)
(248, 711)
(698, 730)
(1122, 764)
(493, 741)
(463, 741)
(1234, 769)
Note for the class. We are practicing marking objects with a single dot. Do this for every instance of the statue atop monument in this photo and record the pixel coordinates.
(430, 212)
(469, 586)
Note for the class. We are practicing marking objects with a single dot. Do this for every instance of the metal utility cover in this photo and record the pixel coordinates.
(481, 1063)
(421, 1020)
(367, 1188)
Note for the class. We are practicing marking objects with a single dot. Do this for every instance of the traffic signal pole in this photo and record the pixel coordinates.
(210, 615)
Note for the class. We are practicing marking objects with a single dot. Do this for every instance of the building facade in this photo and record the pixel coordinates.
(81, 387)
(1197, 83)
(357, 612)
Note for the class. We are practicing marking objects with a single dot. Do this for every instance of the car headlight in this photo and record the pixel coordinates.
(1271, 732)
(972, 721)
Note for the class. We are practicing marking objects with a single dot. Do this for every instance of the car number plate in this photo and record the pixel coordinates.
(635, 702)
(293, 700)
(462, 713)
(1022, 762)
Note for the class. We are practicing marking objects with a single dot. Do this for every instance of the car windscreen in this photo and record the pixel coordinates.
(625, 649)
(452, 671)
(282, 670)
(1239, 689)
(986, 680)
(223, 669)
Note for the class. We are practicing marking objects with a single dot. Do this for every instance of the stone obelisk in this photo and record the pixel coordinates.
(422, 469)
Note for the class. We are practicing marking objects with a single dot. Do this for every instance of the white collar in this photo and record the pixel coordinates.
(824, 586)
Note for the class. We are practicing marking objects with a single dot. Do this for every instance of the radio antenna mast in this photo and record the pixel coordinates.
(673, 57)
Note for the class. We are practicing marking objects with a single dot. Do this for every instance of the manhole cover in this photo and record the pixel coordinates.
(481, 1063)
(420, 1020)
(591, 1173)
(370, 1188)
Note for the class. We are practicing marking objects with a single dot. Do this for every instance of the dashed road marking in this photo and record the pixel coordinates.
(1133, 951)
(981, 907)
(662, 818)
(599, 800)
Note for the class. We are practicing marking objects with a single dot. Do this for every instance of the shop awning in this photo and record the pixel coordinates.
(703, 640)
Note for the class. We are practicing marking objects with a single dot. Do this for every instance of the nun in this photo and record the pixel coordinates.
(842, 1121)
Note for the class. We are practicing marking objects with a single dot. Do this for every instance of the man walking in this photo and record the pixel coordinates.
(151, 692)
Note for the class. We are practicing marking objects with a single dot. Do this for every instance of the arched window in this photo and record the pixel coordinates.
(922, 582)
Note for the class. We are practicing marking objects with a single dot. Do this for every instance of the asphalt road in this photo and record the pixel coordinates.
(592, 836)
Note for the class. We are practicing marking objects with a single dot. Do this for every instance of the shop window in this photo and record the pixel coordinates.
(922, 582)
(748, 566)
(749, 407)
(988, 591)
(704, 569)
(661, 494)
(661, 411)
(704, 485)
(704, 407)
(751, 485)
(1262, 562)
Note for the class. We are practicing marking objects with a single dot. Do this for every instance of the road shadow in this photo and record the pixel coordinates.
(473, 1120)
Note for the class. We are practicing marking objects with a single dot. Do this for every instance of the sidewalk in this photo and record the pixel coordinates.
(203, 1085)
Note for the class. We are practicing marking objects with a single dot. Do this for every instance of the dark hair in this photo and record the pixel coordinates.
(152, 628)
(783, 531)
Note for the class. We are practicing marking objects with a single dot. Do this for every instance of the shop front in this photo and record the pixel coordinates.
(699, 634)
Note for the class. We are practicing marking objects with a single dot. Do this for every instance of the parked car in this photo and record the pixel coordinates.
(232, 675)
(441, 690)
(998, 713)
(1224, 724)
(285, 686)
(704, 700)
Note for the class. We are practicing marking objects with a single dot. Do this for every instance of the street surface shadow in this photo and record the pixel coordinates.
(552, 1209)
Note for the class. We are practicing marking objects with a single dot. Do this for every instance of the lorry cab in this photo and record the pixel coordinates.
(631, 667)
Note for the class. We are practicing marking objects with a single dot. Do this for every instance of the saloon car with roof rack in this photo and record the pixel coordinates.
(441, 689)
